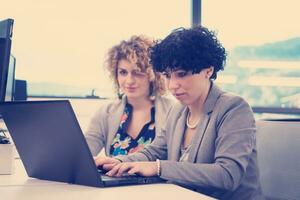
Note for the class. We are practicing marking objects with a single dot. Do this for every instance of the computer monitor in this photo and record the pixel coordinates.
(6, 74)
(10, 81)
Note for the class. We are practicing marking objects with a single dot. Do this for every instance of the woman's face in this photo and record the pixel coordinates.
(189, 88)
(132, 82)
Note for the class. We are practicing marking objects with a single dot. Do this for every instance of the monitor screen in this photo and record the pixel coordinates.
(5, 46)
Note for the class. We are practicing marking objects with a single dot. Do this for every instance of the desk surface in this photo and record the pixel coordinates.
(19, 186)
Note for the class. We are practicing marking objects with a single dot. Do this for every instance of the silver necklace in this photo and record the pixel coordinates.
(191, 126)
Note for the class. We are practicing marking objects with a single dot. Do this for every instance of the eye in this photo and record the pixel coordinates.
(122, 72)
(181, 74)
(139, 73)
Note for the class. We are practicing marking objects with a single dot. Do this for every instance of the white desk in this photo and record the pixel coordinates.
(19, 186)
(20, 178)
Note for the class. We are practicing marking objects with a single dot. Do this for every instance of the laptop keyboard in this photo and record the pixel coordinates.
(125, 175)
(126, 179)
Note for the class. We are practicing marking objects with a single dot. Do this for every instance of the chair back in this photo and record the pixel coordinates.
(278, 147)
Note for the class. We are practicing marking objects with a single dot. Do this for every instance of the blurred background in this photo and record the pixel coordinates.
(59, 47)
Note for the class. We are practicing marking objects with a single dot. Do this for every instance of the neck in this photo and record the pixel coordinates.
(140, 103)
(197, 107)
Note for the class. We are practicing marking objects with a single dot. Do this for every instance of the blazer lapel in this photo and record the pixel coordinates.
(200, 131)
(177, 136)
(209, 105)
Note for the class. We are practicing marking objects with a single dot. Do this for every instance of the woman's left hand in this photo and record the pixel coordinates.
(141, 168)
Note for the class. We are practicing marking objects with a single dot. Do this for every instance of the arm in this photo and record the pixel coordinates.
(133, 163)
(95, 134)
(156, 150)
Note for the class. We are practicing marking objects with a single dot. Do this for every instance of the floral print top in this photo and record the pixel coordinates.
(123, 143)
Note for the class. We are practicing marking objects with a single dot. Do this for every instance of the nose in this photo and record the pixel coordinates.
(173, 83)
(130, 79)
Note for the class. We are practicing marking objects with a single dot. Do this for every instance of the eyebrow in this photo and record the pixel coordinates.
(134, 70)
(120, 68)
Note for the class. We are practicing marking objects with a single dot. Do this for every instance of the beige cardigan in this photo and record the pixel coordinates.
(106, 121)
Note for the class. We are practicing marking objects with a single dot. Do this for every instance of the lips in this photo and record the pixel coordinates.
(130, 89)
(179, 95)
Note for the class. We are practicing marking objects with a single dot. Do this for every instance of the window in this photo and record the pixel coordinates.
(263, 43)
(60, 45)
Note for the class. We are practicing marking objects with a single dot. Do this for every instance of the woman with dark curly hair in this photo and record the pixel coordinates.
(133, 121)
(208, 141)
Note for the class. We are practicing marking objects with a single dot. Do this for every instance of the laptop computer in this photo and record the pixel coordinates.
(52, 146)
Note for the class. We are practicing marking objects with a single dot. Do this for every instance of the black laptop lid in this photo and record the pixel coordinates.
(50, 142)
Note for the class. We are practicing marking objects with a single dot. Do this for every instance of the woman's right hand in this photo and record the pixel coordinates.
(107, 163)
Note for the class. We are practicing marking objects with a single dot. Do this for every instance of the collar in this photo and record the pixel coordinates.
(212, 97)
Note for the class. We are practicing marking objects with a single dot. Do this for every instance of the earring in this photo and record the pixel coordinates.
(120, 93)
(152, 97)
(152, 92)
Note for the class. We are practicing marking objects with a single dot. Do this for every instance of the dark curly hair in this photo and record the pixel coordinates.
(191, 49)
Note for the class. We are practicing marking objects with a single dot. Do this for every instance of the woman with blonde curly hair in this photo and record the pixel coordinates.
(133, 121)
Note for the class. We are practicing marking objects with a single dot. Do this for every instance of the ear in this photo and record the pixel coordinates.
(209, 72)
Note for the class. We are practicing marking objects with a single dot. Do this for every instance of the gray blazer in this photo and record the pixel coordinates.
(105, 123)
(222, 161)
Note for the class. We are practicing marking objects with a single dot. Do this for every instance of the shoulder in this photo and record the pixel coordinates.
(177, 108)
(233, 110)
(164, 101)
(173, 116)
(228, 101)
(176, 111)
(111, 106)
(163, 104)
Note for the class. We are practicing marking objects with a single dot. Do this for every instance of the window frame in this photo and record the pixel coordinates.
(196, 20)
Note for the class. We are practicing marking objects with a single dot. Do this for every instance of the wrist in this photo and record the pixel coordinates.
(158, 172)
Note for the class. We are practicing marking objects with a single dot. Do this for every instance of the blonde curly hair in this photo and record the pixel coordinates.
(135, 50)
